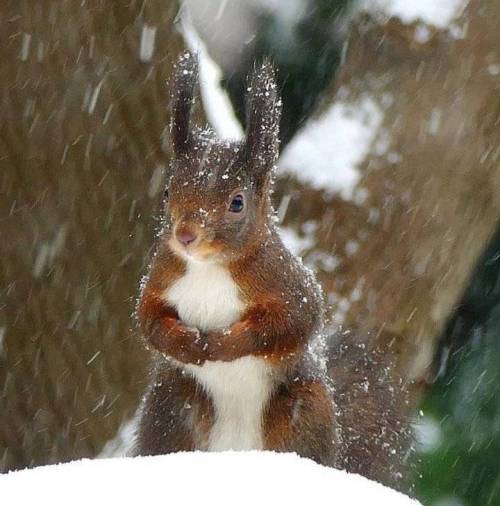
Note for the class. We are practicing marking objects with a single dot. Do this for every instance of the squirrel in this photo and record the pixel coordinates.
(229, 310)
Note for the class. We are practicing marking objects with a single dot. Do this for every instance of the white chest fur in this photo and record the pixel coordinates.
(207, 297)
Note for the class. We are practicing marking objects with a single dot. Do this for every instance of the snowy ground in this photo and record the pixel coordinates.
(186, 479)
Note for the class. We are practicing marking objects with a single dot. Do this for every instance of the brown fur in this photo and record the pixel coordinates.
(372, 412)
(178, 413)
(283, 304)
(300, 418)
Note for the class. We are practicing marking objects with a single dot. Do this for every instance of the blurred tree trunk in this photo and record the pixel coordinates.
(429, 200)
(83, 116)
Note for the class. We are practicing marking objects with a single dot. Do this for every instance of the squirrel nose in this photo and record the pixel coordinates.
(186, 236)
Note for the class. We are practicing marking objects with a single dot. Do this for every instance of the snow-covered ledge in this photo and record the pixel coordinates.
(231, 478)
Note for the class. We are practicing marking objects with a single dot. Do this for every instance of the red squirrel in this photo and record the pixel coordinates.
(229, 310)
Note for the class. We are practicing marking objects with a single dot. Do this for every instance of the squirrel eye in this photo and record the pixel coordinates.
(237, 204)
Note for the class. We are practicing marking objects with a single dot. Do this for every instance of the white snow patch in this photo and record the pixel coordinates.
(327, 262)
(428, 433)
(422, 34)
(195, 479)
(218, 107)
(343, 306)
(434, 121)
(439, 13)
(494, 69)
(351, 248)
(327, 152)
(147, 47)
(294, 242)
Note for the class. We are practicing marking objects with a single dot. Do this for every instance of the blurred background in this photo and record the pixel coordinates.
(388, 186)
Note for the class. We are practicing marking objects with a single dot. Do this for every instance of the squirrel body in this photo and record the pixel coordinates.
(234, 396)
(228, 307)
(231, 313)
(206, 297)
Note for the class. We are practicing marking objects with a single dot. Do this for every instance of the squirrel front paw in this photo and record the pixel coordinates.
(174, 339)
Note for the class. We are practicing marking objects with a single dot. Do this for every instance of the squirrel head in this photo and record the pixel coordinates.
(217, 199)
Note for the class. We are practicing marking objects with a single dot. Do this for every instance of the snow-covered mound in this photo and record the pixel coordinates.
(221, 479)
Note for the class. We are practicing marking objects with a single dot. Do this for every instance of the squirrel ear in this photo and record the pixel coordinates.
(182, 99)
(263, 117)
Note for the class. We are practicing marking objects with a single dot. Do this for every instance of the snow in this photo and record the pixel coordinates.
(429, 434)
(95, 96)
(2, 337)
(216, 102)
(229, 478)
(25, 46)
(351, 247)
(286, 14)
(156, 181)
(494, 69)
(327, 152)
(48, 251)
(292, 9)
(439, 13)
(295, 243)
(147, 47)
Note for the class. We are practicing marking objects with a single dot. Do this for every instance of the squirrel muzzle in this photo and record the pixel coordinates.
(191, 240)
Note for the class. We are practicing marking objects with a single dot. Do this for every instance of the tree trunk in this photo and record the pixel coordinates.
(395, 254)
(83, 141)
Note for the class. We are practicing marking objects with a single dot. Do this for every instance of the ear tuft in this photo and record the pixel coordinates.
(263, 117)
(182, 100)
